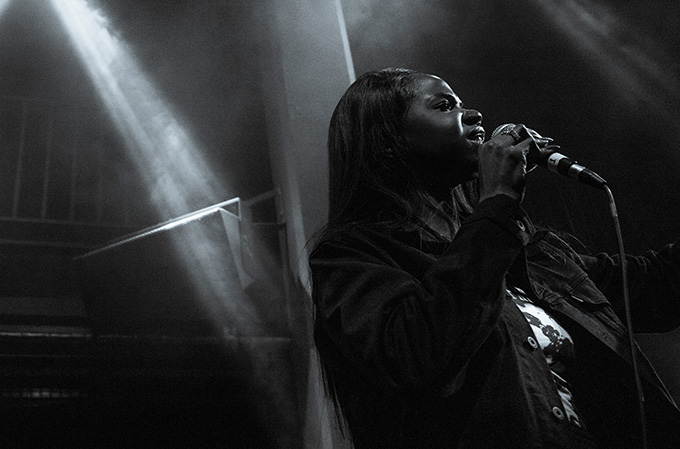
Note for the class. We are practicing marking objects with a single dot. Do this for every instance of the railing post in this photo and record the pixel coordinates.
(20, 161)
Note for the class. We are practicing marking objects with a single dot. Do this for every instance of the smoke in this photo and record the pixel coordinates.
(636, 65)
(409, 34)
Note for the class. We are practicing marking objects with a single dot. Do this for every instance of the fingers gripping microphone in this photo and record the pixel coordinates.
(545, 156)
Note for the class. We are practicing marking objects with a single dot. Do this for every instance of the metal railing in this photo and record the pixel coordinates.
(62, 164)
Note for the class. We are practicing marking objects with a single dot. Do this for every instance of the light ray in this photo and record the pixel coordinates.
(3, 6)
(177, 175)
(176, 172)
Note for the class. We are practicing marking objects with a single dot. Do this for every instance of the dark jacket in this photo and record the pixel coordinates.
(423, 350)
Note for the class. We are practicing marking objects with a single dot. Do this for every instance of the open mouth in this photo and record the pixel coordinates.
(478, 135)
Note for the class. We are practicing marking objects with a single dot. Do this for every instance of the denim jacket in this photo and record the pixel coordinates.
(421, 349)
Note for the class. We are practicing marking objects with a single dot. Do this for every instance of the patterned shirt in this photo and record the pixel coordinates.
(556, 343)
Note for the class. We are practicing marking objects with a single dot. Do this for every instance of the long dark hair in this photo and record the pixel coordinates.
(371, 178)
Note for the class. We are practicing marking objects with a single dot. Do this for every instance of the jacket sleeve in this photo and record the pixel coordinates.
(653, 284)
(409, 333)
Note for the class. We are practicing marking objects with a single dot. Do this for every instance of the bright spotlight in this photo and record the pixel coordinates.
(176, 173)
(3, 5)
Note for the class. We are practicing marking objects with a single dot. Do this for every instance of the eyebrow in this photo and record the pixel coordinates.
(449, 97)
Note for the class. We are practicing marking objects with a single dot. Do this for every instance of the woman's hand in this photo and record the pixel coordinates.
(503, 164)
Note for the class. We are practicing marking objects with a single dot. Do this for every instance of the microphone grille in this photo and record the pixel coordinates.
(503, 129)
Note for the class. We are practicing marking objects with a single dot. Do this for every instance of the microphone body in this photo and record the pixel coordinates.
(546, 156)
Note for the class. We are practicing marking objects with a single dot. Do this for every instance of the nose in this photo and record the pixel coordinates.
(472, 117)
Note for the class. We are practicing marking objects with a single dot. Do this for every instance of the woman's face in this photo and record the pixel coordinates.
(439, 130)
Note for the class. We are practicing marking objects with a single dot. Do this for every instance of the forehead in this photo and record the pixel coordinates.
(427, 86)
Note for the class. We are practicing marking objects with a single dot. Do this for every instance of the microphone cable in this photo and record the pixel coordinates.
(566, 167)
(629, 321)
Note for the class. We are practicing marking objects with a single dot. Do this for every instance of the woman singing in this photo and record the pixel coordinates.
(444, 317)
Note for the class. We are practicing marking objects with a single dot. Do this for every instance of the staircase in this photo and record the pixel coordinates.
(115, 345)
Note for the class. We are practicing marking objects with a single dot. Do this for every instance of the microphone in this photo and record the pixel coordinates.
(546, 156)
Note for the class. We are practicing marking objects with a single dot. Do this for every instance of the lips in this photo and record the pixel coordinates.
(477, 134)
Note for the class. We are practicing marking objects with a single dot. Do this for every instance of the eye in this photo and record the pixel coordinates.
(445, 105)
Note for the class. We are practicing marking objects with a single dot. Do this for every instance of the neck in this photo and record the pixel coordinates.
(439, 177)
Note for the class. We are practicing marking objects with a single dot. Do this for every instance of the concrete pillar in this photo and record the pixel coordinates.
(305, 68)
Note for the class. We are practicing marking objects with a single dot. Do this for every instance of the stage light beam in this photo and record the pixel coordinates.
(3, 5)
(177, 175)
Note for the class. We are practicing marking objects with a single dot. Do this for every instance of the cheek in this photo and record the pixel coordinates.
(420, 138)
